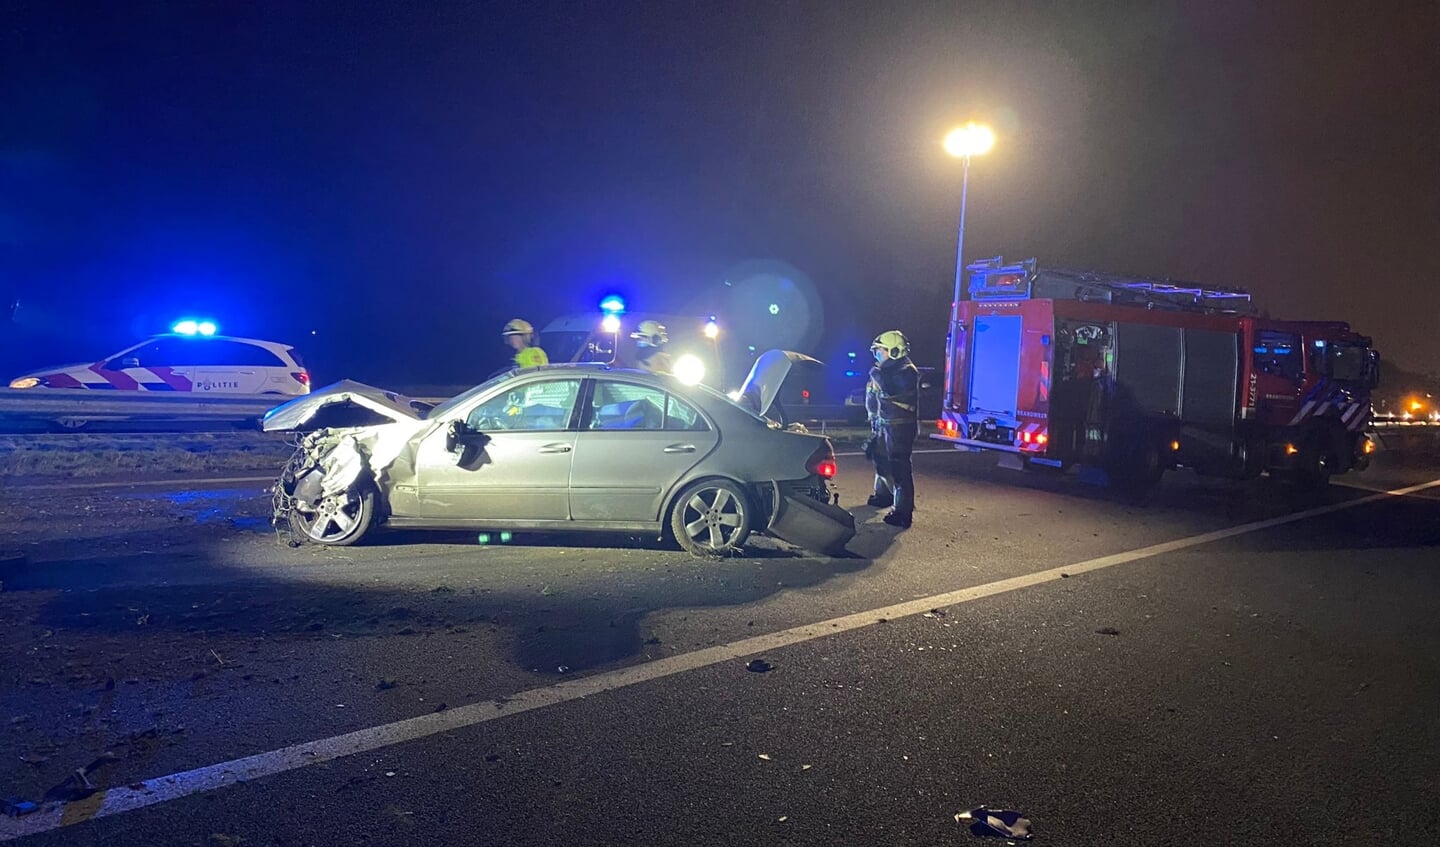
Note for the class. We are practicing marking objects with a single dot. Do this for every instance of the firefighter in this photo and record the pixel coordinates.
(520, 335)
(651, 341)
(892, 403)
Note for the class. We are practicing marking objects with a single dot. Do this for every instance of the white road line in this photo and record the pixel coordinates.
(174, 483)
(117, 800)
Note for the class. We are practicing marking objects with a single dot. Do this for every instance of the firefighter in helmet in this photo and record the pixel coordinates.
(892, 403)
(650, 343)
(520, 335)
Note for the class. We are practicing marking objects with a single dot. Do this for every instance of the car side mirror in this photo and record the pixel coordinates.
(459, 437)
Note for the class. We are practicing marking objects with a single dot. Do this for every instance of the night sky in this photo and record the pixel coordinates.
(400, 178)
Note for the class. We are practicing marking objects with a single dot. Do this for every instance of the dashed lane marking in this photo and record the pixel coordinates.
(163, 789)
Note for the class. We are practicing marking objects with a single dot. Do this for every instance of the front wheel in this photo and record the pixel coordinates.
(711, 518)
(338, 520)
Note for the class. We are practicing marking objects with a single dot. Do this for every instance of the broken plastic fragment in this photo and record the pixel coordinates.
(765, 756)
(759, 666)
(996, 823)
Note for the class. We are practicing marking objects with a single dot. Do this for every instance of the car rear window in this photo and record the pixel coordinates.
(295, 354)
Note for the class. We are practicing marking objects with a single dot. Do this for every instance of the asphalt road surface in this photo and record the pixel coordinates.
(1220, 664)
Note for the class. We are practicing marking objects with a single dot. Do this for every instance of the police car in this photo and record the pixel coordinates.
(189, 358)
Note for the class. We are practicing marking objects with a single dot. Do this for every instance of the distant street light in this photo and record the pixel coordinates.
(962, 142)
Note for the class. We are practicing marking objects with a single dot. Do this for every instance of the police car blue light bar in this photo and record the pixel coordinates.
(613, 304)
(190, 326)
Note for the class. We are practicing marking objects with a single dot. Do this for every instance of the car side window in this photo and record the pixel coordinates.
(627, 406)
(161, 353)
(534, 407)
(222, 353)
(624, 405)
(682, 416)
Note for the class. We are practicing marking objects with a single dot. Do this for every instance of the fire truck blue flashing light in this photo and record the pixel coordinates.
(190, 326)
(613, 304)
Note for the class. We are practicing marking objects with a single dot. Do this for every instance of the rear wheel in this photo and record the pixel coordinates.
(338, 520)
(712, 518)
(1138, 468)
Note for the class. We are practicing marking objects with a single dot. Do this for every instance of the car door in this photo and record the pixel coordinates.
(522, 473)
(161, 364)
(232, 367)
(635, 441)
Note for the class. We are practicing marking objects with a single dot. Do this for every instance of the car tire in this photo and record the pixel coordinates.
(337, 521)
(712, 518)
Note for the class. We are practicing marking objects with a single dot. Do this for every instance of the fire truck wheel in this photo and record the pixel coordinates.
(1139, 468)
(1318, 461)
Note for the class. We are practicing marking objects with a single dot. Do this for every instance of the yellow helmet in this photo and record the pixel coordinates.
(518, 326)
(891, 344)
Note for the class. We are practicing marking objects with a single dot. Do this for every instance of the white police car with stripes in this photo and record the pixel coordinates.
(191, 358)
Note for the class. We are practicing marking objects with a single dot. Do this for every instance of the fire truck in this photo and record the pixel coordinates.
(1130, 377)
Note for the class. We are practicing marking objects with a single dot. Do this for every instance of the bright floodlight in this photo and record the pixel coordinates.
(689, 369)
(712, 329)
(610, 323)
(969, 140)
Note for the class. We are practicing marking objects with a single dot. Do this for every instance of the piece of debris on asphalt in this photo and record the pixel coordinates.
(806, 767)
(1064, 576)
(385, 684)
(1107, 630)
(442, 589)
(77, 786)
(934, 613)
(563, 669)
(759, 666)
(765, 756)
(34, 758)
(783, 818)
(220, 839)
(996, 823)
(218, 660)
(14, 807)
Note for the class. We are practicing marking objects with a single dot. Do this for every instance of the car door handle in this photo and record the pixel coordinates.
(680, 448)
(555, 448)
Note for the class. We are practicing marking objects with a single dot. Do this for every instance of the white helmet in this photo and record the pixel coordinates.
(518, 326)
(890, 344)
(650, 334)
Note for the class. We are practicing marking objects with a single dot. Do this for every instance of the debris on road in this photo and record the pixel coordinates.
(759, 666)
(77, 786)
(765, 756)
(1107, 630)
(934, 613)
(385, 684)
(996, 823)
(14, 807)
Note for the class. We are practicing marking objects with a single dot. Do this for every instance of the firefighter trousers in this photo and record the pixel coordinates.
(894, 473)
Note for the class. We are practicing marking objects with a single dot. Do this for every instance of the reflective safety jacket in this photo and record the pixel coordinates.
(530, 357)
(893, 394)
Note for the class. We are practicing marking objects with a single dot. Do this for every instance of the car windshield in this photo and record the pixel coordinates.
(463, 396)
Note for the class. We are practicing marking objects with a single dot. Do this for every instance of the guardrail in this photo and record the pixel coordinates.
(56, 404)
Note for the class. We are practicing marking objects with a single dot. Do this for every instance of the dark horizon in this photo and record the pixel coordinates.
(401, 180)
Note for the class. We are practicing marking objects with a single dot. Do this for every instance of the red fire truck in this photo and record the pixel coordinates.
(1135, 376)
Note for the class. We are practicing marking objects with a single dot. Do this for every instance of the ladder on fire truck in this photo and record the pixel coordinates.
(992, 279)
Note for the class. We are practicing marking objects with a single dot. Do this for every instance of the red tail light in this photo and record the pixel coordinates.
(303, 377)
(822, 462)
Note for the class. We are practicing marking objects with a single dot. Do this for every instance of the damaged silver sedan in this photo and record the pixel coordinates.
(583, 447)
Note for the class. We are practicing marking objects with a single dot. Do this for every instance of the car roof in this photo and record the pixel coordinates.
(256, 341)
